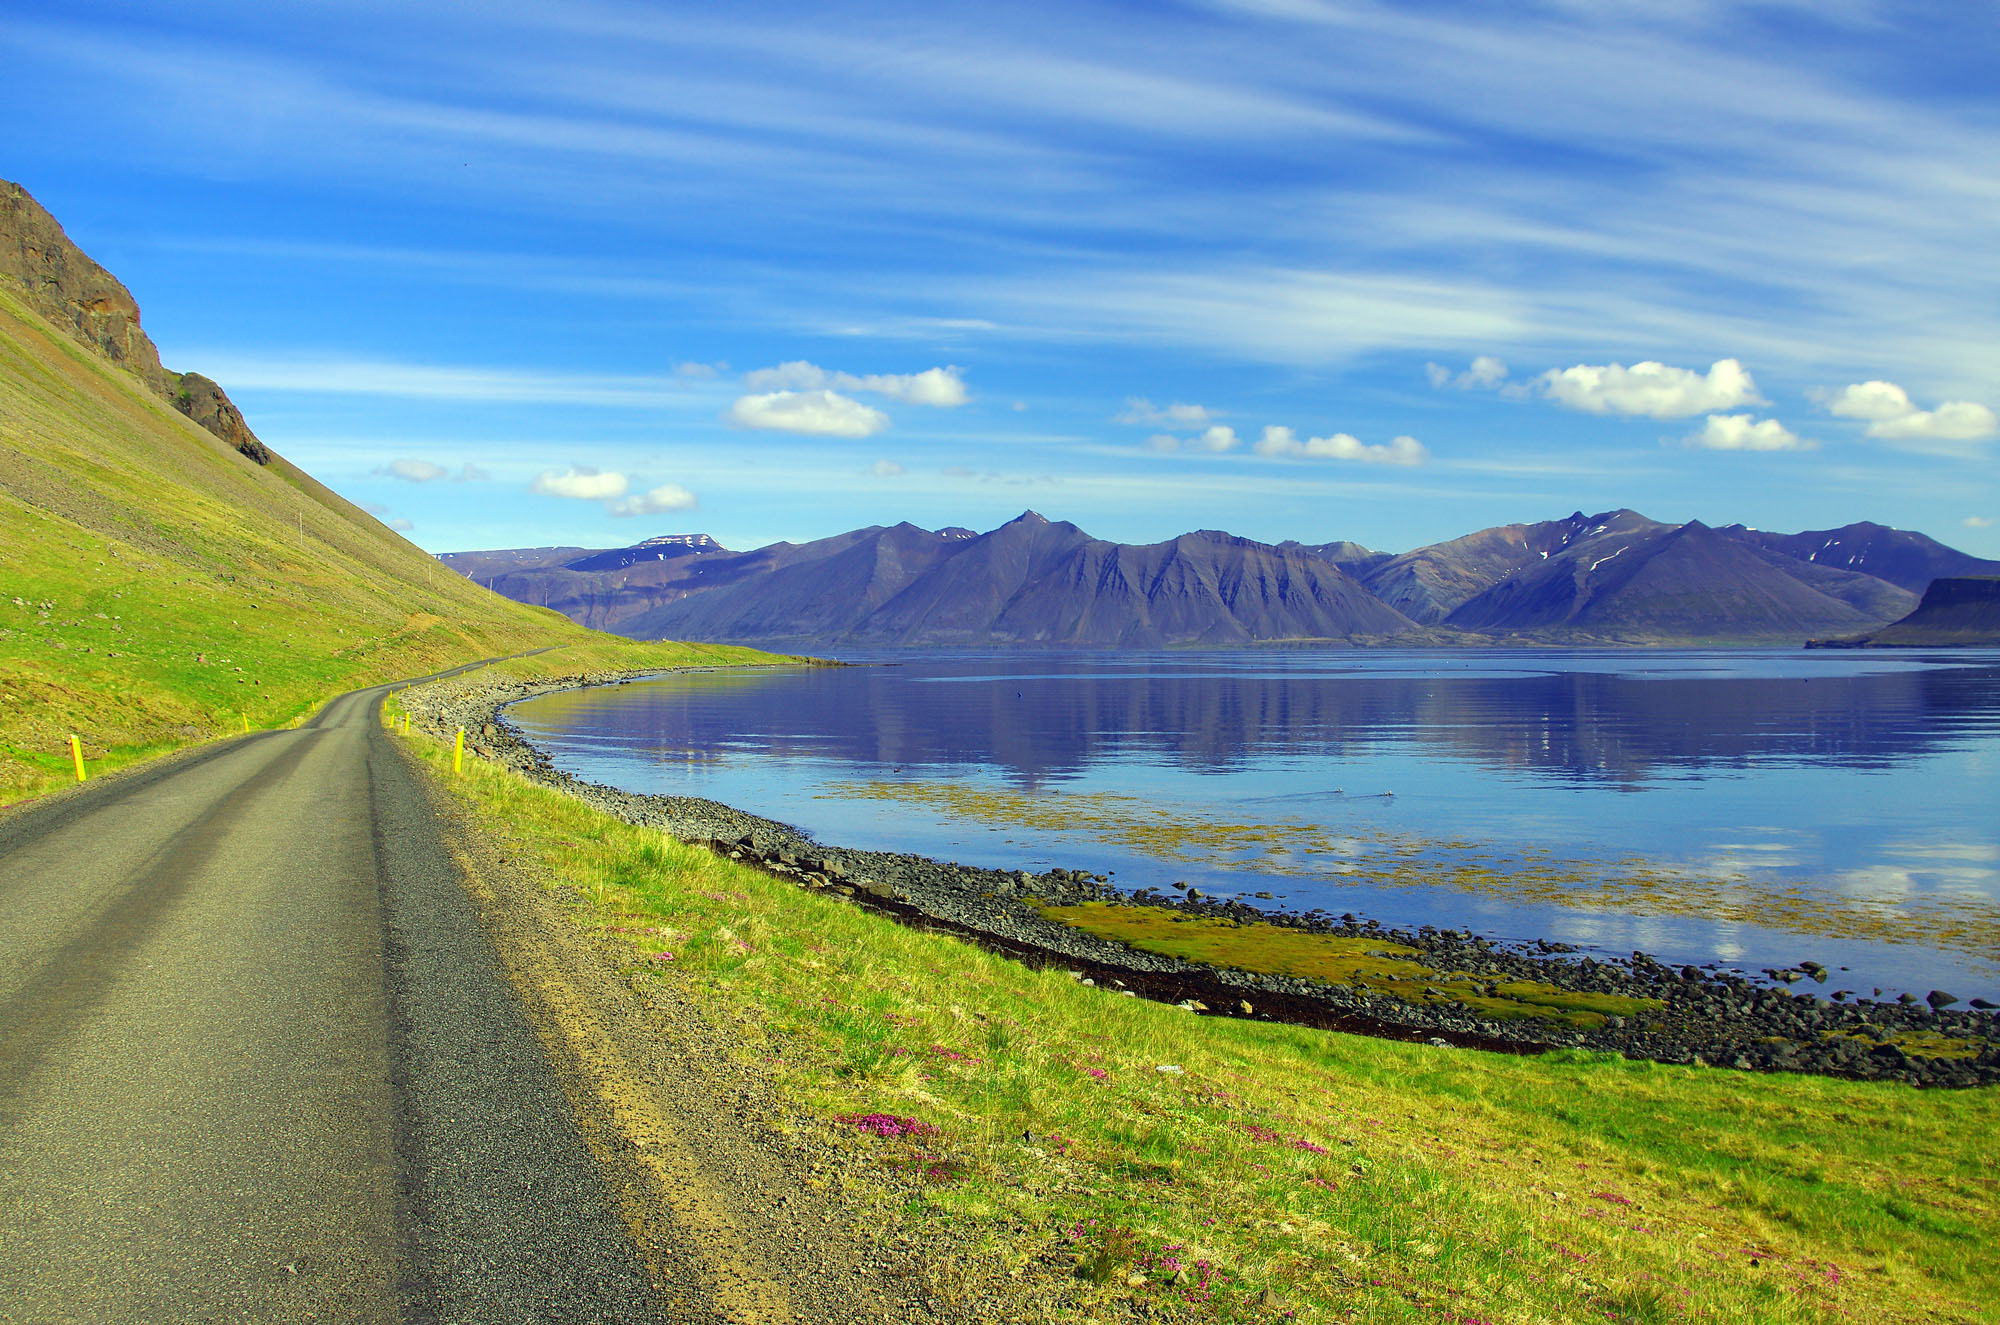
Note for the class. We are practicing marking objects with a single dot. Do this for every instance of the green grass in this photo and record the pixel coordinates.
(1355, 1179)
(157, 589)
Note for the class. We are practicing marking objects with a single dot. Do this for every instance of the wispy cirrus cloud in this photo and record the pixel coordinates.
(365, 377)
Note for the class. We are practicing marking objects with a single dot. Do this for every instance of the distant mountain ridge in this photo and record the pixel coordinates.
(1614, 577)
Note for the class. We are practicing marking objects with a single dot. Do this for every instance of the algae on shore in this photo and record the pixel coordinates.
(1362, 964)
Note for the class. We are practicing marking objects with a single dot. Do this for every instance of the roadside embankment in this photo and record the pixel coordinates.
(1338, 972)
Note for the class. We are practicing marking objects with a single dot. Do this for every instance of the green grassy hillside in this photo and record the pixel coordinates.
(158, 587)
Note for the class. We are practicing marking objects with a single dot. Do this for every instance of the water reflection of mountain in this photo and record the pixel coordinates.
(1584, 727)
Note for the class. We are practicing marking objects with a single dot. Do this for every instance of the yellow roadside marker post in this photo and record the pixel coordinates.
(76, 753)
(458, 753)
(246, 721)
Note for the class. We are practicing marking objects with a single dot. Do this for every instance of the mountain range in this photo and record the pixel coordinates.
(1616, 578)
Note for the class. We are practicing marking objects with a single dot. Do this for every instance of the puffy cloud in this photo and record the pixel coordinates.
(1977, 522)
(934, 386)
(700, 372)
(1217, 437)
(423, 471)
(1286, 444)
(1487, 372)
(820, 413)
(581, 483)
(1893, 416)
(654, 501)
(885, 469)
(1656, 390)
(1138, 409)
(1743, 432)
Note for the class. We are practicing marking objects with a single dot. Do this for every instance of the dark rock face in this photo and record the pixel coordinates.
(204, 402)
(62, 283)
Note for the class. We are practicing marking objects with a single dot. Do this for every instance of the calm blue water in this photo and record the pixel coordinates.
(1742, 808)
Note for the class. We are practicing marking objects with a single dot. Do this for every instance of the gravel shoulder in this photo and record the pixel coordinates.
(1723, 1019)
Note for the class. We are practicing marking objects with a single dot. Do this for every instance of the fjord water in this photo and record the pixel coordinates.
(1748, 809)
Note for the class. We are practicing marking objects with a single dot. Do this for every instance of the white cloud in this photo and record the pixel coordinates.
(934, 386)
(1743, 432)
(1977, 522)
(581, 483)
(1893, 416)
(1218, 438)
(424, 471)
(1285, 444)
(818, 413)
(700, 372)
(1487, 372)
(399, 524)
(1138, 409)
(885, 469)
(1655, 390)
(654, 501)
(415, 471)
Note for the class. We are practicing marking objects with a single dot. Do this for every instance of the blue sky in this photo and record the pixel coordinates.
(527, 274)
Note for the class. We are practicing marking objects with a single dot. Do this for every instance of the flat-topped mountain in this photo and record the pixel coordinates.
(1614, 577)
(1956, 612)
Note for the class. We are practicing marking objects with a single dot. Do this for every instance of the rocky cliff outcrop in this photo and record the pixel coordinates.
(62, 283)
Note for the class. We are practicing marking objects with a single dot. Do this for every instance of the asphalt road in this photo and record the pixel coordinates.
(259, 1063)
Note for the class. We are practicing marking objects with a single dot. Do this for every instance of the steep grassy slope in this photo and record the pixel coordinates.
(158, 587)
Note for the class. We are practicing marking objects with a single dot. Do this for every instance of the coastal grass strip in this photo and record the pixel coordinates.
(1229, 1170)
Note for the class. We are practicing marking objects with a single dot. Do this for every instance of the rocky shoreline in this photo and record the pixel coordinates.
(1708, 1018)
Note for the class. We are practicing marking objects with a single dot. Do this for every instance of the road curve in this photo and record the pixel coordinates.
(258, 1062)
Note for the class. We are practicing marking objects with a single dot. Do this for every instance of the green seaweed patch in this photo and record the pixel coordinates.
(1921, 1044)
(1365, 965)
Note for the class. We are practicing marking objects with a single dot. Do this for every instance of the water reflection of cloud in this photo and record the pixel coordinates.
(1967, 851)
(1877, 882)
